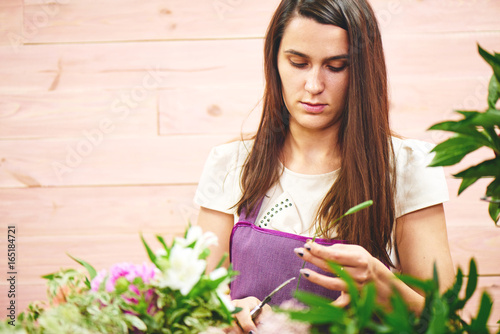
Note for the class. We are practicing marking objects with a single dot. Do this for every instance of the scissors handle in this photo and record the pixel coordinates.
(256, 311)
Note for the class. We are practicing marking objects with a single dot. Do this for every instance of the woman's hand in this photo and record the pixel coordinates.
(355, 260)
(243, 318)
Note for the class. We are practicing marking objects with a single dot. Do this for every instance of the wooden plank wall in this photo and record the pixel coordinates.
(109, 108)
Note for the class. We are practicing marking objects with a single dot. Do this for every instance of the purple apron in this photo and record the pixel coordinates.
(264, 259)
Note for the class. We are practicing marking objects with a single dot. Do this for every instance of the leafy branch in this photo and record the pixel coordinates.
(441, 313)
(476, 130)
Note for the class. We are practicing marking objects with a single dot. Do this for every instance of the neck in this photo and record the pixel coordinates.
(311, 151)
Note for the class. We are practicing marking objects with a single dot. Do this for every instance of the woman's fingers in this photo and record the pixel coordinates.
(331, 283)
(309, 257)
(355, 260)
(243, 318)
(349, 256)
(343, 300)
(343, 254)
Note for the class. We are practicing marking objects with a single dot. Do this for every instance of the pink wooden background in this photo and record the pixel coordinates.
(109, 108)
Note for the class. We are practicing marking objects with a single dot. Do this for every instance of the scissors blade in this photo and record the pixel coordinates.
(281, 286)
(254, 313)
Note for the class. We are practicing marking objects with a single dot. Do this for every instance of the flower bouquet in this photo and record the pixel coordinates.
(171, 295)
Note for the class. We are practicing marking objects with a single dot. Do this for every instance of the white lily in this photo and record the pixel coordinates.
(222, 289)
(184, 271)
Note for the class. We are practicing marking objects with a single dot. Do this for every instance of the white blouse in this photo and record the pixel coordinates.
(291, 205)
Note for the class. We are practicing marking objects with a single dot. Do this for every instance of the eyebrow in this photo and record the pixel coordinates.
(300, 54)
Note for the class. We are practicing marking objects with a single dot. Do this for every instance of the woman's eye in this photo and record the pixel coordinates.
(297, 64)
(337, 68)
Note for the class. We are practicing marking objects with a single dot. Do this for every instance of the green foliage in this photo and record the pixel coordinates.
(440, 315)
(476, 130)
(169, 297)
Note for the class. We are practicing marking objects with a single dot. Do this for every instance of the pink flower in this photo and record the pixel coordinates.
(126, 270)
(129, 272)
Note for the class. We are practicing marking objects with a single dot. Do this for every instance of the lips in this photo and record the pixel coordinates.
(313, 107)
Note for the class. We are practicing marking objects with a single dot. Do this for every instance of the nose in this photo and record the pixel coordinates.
(314, 82)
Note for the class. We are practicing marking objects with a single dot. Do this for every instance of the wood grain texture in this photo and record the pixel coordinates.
(87, 211)
(481, 243)
(438, 56)
(131, 20)
(210, 109)
(418, 103)
(57, 114)
(467, 209)
(11, 23)
(132, 66)
(83, 21)
(446, 16)
(96, 159)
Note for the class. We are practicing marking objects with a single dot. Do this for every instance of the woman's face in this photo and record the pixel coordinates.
(312, 64)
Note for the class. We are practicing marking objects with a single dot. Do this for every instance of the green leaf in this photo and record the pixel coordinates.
(488, 168)
(135, 321)
(352, 210)
(479, 325)
(472, 280)
(399, 318)
(312, 299)
(466, 183)
(461, 127)
(352, 287)
(358, 207)
(151, 254)
(489, 118)
(493, 92)
(90, 269)
(320, 311)
(162, 241)
(221, 261)
(492, 60)
(435, 276)
(49, 276)
(494, 211)
(451, 296)
(437, 324)
(366, 304)
(317, 316)
(427, 286)
(493, 188)
(453, 150)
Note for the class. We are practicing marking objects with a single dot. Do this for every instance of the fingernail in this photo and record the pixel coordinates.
(251, 332)
(305, 272)
(307, 246)
(299, 252)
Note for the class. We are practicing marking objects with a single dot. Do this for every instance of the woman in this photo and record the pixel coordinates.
(323, 146)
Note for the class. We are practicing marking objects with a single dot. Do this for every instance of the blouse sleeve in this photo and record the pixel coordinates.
(418, 186)
(219, 186)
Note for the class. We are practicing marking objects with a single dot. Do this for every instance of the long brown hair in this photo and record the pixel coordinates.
(367, 159)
